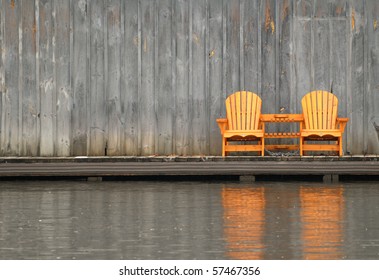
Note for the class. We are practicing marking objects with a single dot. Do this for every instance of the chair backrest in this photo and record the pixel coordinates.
(243, 110)
(320, 110)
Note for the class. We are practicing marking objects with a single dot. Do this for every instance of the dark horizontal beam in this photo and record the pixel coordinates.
(177, 166)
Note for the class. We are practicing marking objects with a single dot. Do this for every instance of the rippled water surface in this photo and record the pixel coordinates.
(188, 220)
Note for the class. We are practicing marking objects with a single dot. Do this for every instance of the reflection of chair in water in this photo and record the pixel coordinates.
(321, 215)
(244, 222)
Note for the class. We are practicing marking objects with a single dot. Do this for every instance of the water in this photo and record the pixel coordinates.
(188, 220)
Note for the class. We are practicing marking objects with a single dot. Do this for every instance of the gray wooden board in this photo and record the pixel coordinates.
(10, 136)
(320, 55)
(28, 88)
(198, 96)
(98, 112)
(356, 104)
(303, 77)
(62, 47)
(2, 82)
(372, 81)
(163, 71)
(79, 70)
(268, 32)
(268, 24)
(182, 123)
(200, 166)
(147, 112)
(284, 29)
(113, 77)
(338, 64)
(215, 63)
(232, 47)
(46, 82)
(129, 81)
(250, 45)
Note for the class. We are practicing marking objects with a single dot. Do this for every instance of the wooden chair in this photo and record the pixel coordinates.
(242, 123)
(321, 123)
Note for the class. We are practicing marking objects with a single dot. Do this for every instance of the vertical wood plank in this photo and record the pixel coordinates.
(372, 98)
(286, 95)
(79, 77)
(269, 52)
(147, 113)
(130, 78)
(251, 45)
(216, 96)
(339, 63)
(98, 112)
(113, 77)
(10, 144)
(338, 60)
(285, 55)
(302, 42)
(321, 52)
(268, 30)
(2, 56)
(232, 46)
(47, 83)
(357, 88)
(62, 76)
(30, 98)
(165, 104)
(182, 120)
(200, 118)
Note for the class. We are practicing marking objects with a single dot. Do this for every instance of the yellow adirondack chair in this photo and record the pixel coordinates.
(242, 123)
(321, 123)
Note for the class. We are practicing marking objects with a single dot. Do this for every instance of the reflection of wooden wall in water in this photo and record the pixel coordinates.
(322, 213)
(244, 222)
(141, 77)
(362, 223)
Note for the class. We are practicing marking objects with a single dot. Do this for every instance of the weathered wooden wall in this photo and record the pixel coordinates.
(143, 77)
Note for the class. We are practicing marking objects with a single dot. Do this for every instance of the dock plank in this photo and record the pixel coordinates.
(187, 166)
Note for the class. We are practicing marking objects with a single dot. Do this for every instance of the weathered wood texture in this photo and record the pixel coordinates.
(143, 77)
(187, 166)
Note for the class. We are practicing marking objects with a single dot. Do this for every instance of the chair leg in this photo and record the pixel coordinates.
(301, 146)
(223, 146)
(263, 147)
(340, 145)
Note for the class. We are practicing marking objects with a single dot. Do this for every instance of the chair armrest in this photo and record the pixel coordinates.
(222, 124)
(341, 123)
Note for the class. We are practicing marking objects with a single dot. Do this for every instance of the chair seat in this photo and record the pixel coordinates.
(321, 133)
(243, 134)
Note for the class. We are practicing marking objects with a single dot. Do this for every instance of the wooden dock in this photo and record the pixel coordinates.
(245, 166)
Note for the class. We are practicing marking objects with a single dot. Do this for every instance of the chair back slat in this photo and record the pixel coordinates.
(325, 96)
(238, 110)
(320, 110)
(243, 110)
(258, 105)
(249, 118)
